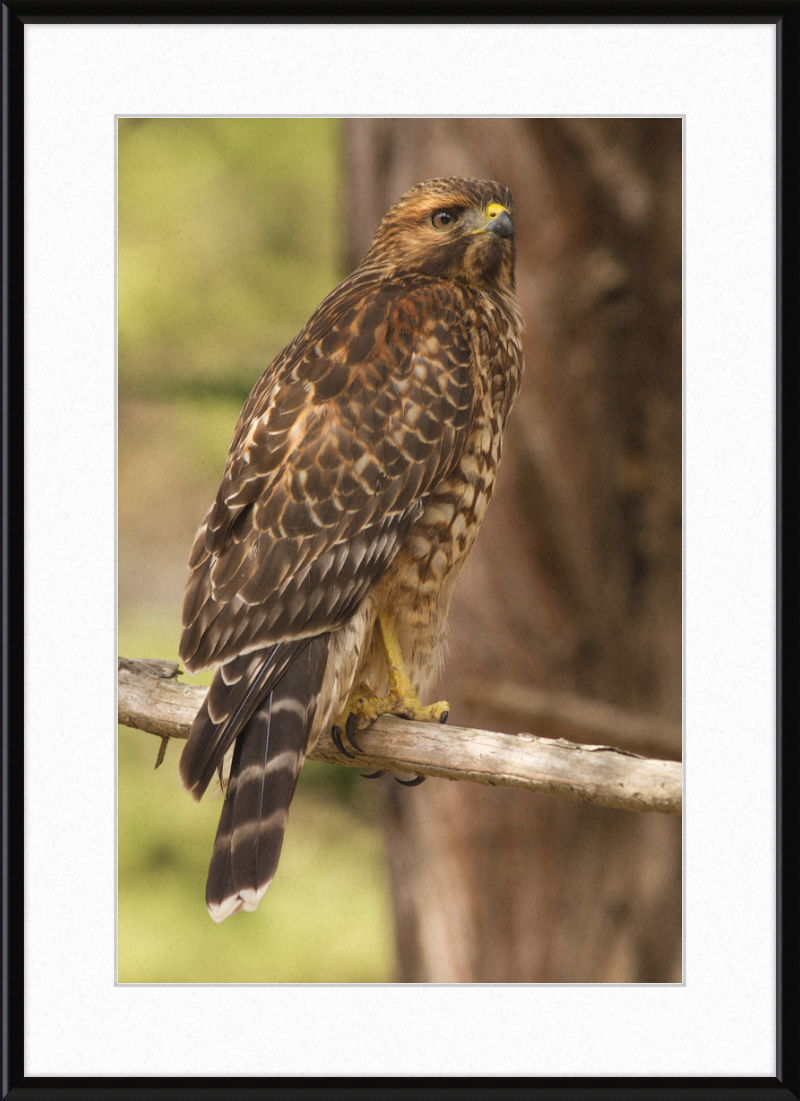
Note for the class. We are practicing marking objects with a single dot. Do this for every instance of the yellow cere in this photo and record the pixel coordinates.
(493, 209)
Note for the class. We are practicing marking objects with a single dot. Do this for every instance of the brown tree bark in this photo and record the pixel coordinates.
(574, 584)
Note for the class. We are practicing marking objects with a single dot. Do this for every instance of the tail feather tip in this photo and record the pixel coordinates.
(189, 782)
(247, 899)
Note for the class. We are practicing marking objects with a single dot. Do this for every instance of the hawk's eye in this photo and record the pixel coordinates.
(443, 219)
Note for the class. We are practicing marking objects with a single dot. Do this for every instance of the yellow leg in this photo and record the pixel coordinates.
(401, 699)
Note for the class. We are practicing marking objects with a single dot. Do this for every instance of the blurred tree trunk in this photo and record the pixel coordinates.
(575, 581)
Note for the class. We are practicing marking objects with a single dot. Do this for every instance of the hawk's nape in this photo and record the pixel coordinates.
(357, 478)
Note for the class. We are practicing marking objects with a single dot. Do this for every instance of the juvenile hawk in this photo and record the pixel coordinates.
(357, 479)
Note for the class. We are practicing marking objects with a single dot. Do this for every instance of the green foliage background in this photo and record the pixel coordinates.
(231, 231)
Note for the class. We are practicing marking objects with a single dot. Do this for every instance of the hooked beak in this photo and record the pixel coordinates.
(498, 223)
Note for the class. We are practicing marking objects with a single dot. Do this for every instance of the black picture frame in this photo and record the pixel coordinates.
(15, 14)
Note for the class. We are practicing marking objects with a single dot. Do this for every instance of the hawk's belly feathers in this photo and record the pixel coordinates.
(417, 588)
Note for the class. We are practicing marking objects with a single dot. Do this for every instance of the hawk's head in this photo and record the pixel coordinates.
(449, 229)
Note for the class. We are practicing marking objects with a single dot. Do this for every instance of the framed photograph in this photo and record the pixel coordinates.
(190, 190)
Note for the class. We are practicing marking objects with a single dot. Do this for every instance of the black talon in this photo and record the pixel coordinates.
(372, 775)
(411, 783)
(350, 730)
(336, 738)
(445, 715)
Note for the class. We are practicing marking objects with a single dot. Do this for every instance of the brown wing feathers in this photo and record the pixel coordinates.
(282, 550)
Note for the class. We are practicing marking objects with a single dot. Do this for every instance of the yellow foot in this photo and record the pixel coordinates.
(364, 706)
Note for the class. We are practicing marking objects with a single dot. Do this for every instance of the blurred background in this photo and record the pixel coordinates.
(231, 231)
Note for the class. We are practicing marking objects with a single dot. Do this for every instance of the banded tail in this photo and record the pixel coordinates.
(271, 702)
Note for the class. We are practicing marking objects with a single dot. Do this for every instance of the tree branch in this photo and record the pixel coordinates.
(151, 699)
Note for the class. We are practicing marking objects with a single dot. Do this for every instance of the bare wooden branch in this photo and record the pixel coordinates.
(151, 699)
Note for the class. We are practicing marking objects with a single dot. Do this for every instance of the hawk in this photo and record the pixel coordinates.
(358, 476)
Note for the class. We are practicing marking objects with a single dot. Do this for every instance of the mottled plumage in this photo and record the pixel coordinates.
(357, 478)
